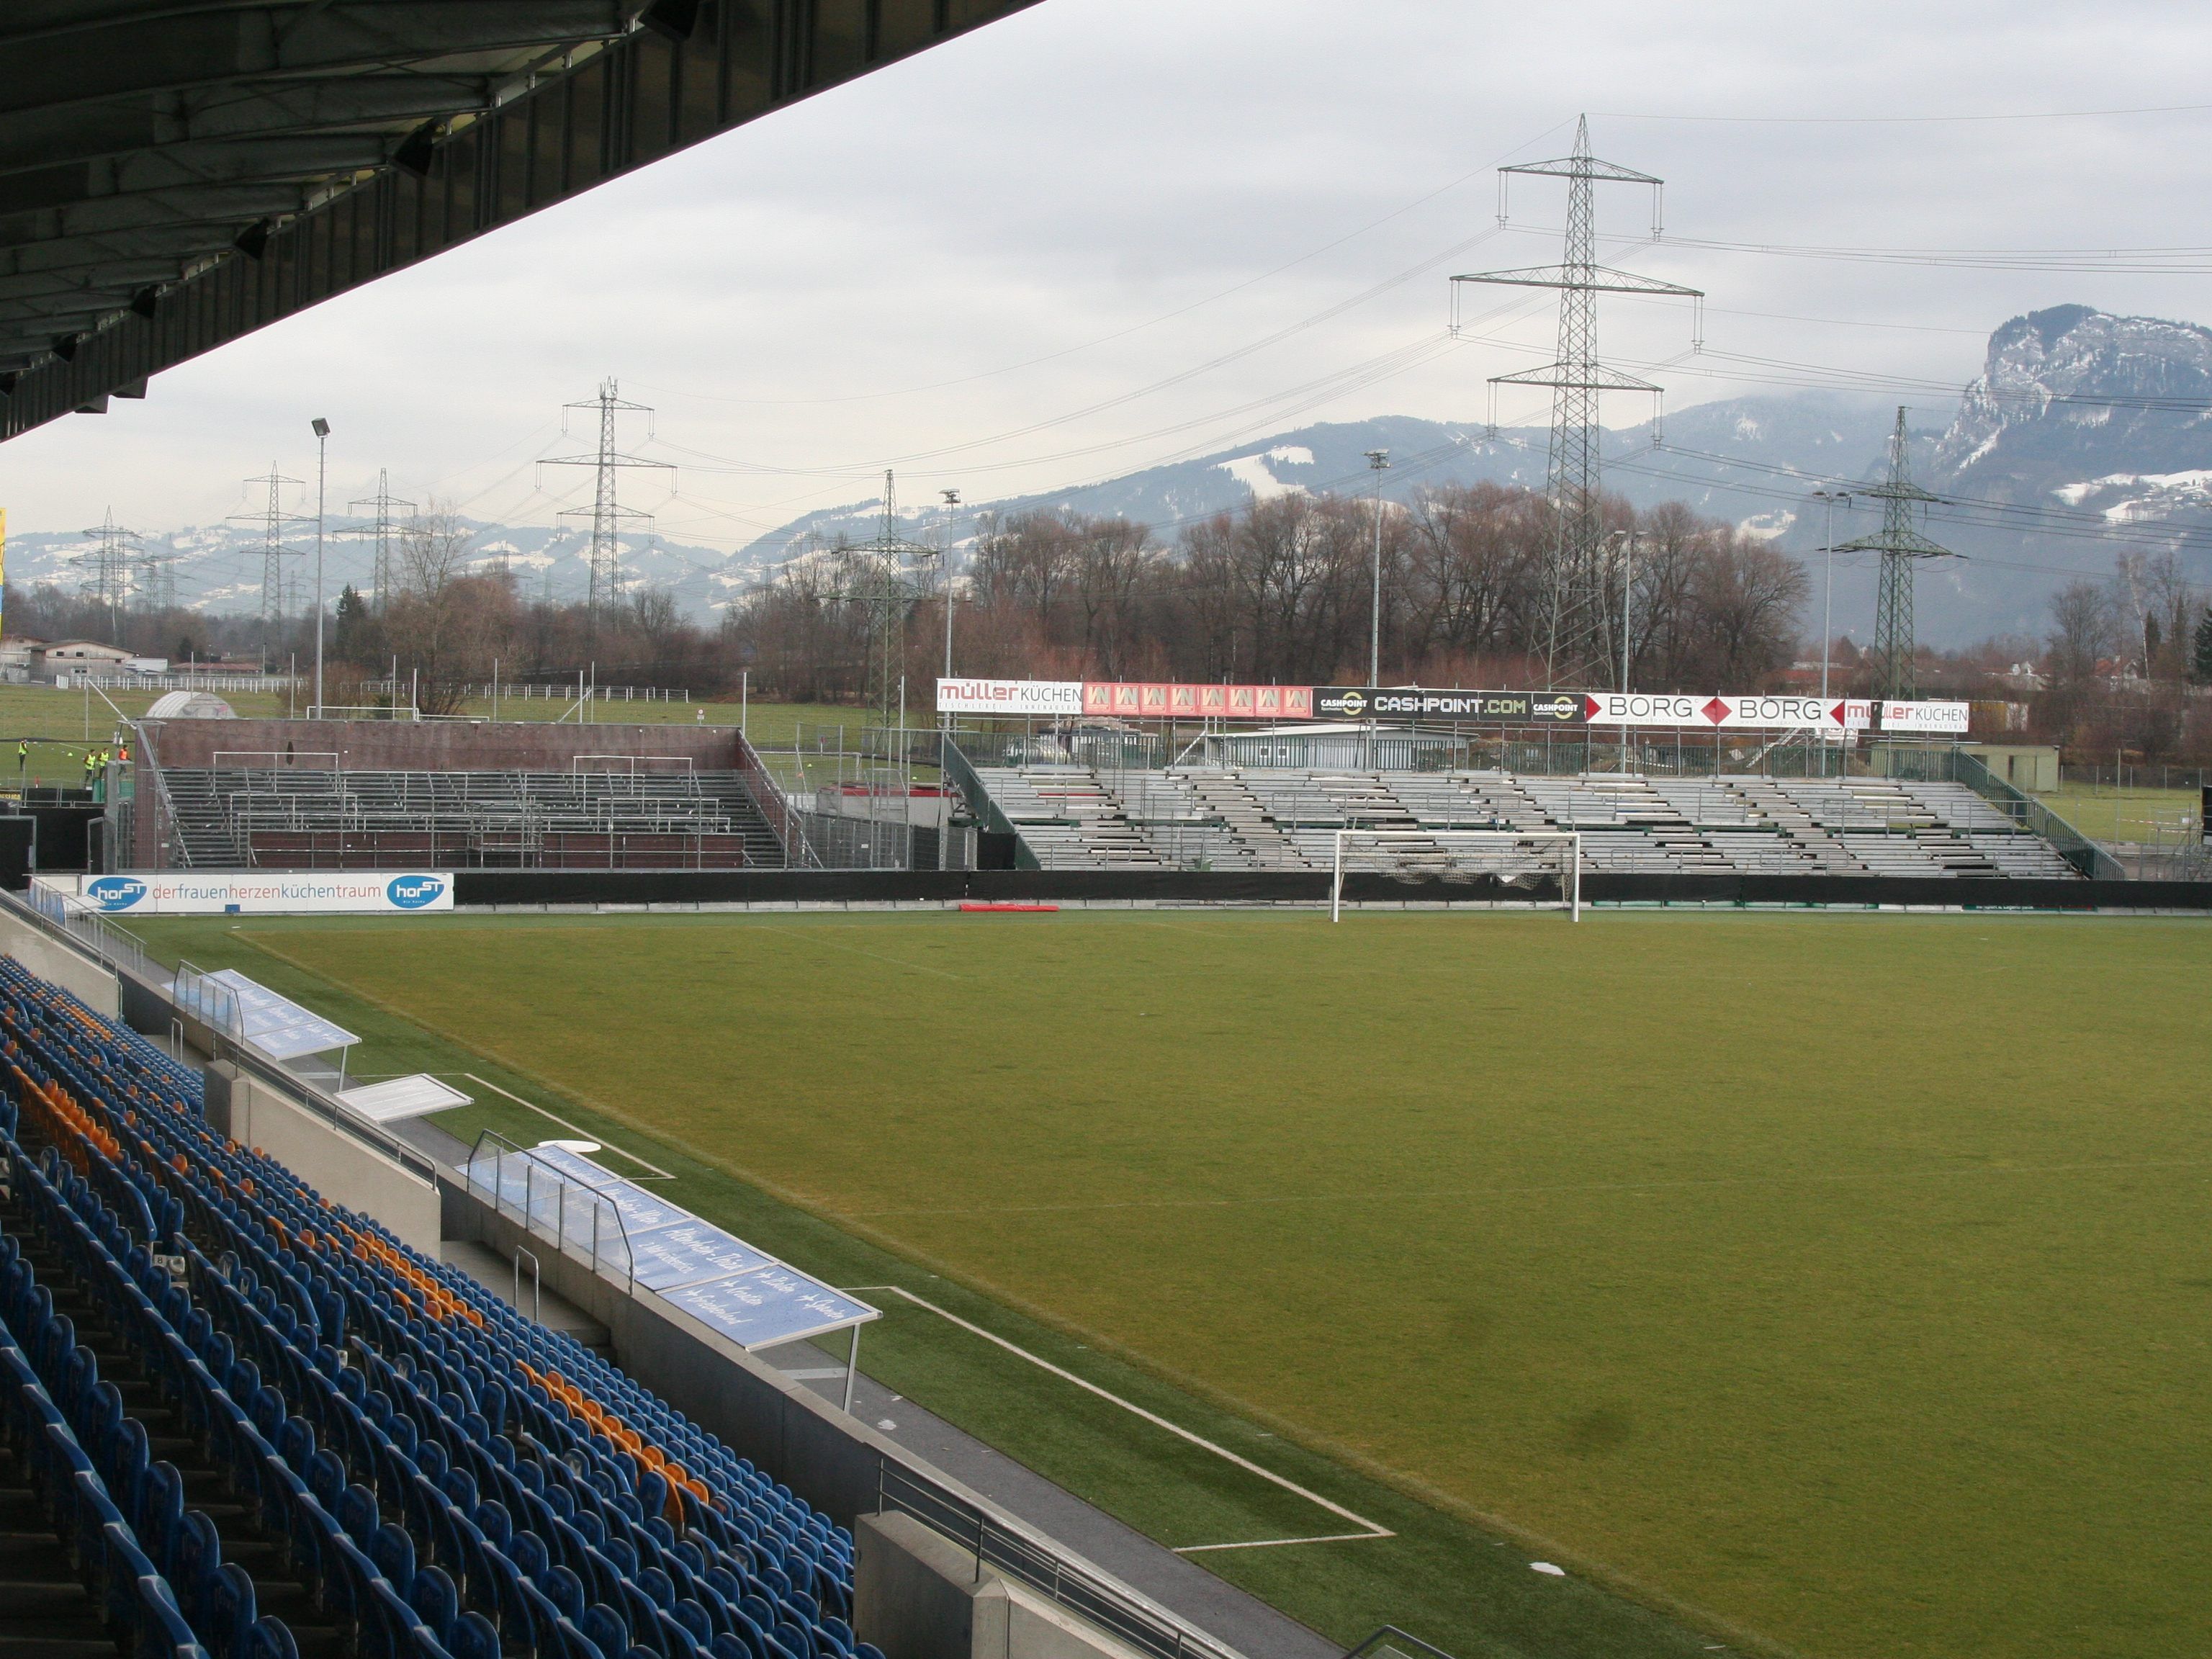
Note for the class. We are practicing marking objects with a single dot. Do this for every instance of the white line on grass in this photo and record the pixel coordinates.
(589, 1134)
(1270, 1543)
(1374, 1530)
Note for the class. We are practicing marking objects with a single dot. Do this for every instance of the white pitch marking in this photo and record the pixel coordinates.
(659, 1173)
(1153, 1418)
(1270, 1543)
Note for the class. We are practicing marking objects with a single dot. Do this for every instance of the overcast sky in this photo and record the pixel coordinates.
(1105, 234)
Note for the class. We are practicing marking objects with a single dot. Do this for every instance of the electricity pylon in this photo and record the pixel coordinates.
(1902, 547)
(112, 554)
(384, 500)
(272, 521)
(606, 514)
(1581, 634)
(888, 567)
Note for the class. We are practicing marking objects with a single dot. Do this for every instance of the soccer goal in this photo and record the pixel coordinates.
(1515, 857)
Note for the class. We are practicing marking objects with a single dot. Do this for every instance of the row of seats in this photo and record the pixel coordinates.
(1287, 818)
(230, 816)
(128, 1598)
(444, 1475)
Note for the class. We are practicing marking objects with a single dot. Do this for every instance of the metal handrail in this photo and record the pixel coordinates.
(499, 1148)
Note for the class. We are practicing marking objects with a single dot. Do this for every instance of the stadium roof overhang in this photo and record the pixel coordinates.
(174, 173)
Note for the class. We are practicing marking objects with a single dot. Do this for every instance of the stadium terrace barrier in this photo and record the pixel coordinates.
(481, 888)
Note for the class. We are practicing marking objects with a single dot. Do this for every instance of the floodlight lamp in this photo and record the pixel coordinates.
(322, 426)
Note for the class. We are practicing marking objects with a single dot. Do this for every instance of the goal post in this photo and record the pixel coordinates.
(1507, 853)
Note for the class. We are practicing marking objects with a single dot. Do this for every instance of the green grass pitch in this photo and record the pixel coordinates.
(1831, 1284)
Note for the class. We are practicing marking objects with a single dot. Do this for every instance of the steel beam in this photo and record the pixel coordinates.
(686, 70)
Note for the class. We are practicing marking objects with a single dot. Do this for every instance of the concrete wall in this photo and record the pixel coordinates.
(334, 1163)
(917, 1595)
(51, 960)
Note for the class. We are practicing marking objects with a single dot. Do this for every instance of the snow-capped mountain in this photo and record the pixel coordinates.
(218, 568)
(1815, 432)
(2085, 434)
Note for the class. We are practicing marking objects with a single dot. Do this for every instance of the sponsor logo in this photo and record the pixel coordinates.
(1561, 706)
(115, 892)
(413, 892)
(1354, 703)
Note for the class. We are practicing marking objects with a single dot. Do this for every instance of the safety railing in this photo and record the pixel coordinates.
(2025, 809)
(573, 1214)
(1005, 1545)
(109, 945)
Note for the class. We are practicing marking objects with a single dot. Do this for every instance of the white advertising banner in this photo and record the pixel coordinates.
(1694, 710)
(1009, 696)
(1948, 718)
(307, 892)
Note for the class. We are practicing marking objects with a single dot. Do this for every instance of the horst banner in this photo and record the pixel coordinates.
(1373, 702)
(173, 892)
(1158, 701)
(1010, 696)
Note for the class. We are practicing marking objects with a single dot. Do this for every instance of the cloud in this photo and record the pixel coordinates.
(940, 265)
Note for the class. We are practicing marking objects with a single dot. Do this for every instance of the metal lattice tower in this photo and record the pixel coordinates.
(1582, 629)
(383, 501)
(272, 521)
(1901, 547)
(607, 515)
(156, 578)
(889, 582)
(113, 551)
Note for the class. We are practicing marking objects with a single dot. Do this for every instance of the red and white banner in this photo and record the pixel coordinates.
(1132, 700)
(1948, 718)
(1010, 696)
(1696, 710)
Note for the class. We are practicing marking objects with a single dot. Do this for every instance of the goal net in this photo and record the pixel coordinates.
(1545, 864)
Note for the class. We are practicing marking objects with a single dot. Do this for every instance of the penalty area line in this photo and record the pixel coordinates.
(1372, 1529)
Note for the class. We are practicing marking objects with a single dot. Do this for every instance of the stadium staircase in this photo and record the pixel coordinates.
(246, 1423)
(297, 817)
(1280, 819)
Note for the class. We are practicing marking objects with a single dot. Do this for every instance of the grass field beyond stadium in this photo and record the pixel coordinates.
(1846, 1279)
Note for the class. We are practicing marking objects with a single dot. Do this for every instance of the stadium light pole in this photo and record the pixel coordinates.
(321, 428)
(951, 501)
(1828, 600)
(1378, 461)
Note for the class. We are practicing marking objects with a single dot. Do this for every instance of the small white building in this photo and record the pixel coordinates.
(63, 659)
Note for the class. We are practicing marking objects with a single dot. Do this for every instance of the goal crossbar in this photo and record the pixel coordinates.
(1571, 879)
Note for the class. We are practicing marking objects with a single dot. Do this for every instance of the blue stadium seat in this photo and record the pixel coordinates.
(441, 1474)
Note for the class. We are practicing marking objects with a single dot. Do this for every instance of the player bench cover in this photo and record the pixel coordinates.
(735, 1289)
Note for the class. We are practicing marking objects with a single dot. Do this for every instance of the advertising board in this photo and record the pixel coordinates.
(1459, 708)
(1694, 710)
(189, 893)
(1154, 700)
(1009, 696)
(1950, 718)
